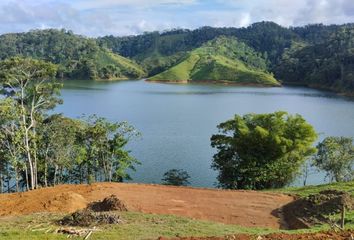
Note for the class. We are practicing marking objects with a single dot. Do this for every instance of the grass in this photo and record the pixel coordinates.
(219, 60)
(180, 72)
(308, 190)
(104, 58)
(135, 226)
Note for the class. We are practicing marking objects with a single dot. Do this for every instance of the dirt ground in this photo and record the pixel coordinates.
(346, 235)
(245, 208)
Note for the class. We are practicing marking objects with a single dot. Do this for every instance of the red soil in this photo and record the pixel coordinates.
(345, 235)
(245, 208)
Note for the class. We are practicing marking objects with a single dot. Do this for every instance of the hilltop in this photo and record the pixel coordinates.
(224, 59)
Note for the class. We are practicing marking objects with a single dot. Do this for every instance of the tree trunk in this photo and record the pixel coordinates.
(27, 181)
(35, 157)
(26, 137)
(55, 174)
(1, 183)
(16, 179)
(45, 173)
(8, 177)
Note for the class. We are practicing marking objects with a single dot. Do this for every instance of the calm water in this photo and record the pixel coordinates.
(177, 121)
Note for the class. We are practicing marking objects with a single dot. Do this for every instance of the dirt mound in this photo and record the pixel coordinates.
(86, 218)
(314, 209)
(245, 208)
(111, 203)
(278, 236)
(65, 202)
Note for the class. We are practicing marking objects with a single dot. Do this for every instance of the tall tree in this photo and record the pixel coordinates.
(30, 83)
(258, 151)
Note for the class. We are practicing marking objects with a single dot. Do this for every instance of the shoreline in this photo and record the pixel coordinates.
(212, 82)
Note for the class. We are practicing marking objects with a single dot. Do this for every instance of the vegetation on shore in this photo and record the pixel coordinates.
(39, 149)
(261, 151)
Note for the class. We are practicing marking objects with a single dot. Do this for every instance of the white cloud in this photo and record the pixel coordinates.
(125, 17)
(89, 4)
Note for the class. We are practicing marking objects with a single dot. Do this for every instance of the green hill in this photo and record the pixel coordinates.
(223, 59)
(326, 65)
(78, 57)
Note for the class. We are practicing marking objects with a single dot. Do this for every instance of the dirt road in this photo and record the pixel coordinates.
(245, 208)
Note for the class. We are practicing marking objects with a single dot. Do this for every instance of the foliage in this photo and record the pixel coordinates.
(77, 56)
(103, 142)
(315, 189)
(221, 59)
(30, 85)
(38, 149)
(314, 55)
(259, 151)
(335, 156)
(176, 177)
(328, 64)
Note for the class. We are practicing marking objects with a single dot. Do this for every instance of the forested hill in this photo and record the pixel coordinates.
(315, 55)
(78, 57)
(296, 55)
(221, 59)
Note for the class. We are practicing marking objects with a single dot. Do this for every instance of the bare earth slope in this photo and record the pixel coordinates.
(245, 208)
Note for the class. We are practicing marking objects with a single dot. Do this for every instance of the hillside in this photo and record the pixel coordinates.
(223, 59)
(279, 46)
(317, 55)
(327, 65)
(78, 57)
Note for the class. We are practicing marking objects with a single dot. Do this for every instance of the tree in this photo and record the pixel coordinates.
(176, 177)
(258, 151)
(11, 144)
(335, 156)
(30, 83)
(57, 148)
(104, 144)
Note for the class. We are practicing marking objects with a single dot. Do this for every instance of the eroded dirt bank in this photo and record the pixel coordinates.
(245, 208)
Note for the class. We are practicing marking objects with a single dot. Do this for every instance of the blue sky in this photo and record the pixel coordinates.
(127, 17)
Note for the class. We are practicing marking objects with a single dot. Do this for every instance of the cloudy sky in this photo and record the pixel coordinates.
(126, 17)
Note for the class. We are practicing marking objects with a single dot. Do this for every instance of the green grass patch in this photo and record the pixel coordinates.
(104, 58)
(136, 226)
(223, 59)
(309, 190)
(313, 189)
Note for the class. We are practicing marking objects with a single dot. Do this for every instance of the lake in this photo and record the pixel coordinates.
(177, 121)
